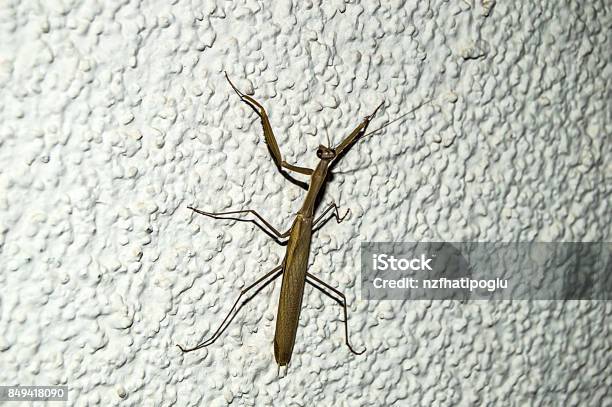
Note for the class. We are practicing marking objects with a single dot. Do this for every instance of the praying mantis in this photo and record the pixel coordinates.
(294, 265)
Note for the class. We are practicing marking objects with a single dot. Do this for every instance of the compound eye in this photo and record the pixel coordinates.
(319, 152)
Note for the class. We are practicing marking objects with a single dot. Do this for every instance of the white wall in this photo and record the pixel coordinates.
(114, 116)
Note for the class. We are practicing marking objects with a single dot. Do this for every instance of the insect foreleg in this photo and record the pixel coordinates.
(271, 231)
(277, 271)
(338, 297)
(268, 133)
(358, 132)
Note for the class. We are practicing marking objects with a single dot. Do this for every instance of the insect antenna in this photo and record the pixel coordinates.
(352, 170)
(399, 117)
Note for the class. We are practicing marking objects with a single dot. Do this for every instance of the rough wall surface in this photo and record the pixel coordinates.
(114, 116)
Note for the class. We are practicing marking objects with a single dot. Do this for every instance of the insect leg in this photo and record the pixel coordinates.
(339, 298)
(277, 271)
(271, 231)
(319, 222)
(268, 133)
(358, 132)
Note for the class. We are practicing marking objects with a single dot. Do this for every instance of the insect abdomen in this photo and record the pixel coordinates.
(287, 320)
(292, 290)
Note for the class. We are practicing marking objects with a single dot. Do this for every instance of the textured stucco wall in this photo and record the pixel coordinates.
(115, 115)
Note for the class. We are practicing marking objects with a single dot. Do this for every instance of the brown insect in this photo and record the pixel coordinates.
(294, 266)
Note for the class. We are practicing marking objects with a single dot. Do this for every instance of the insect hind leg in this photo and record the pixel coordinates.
(339, 298)
(275, 272)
